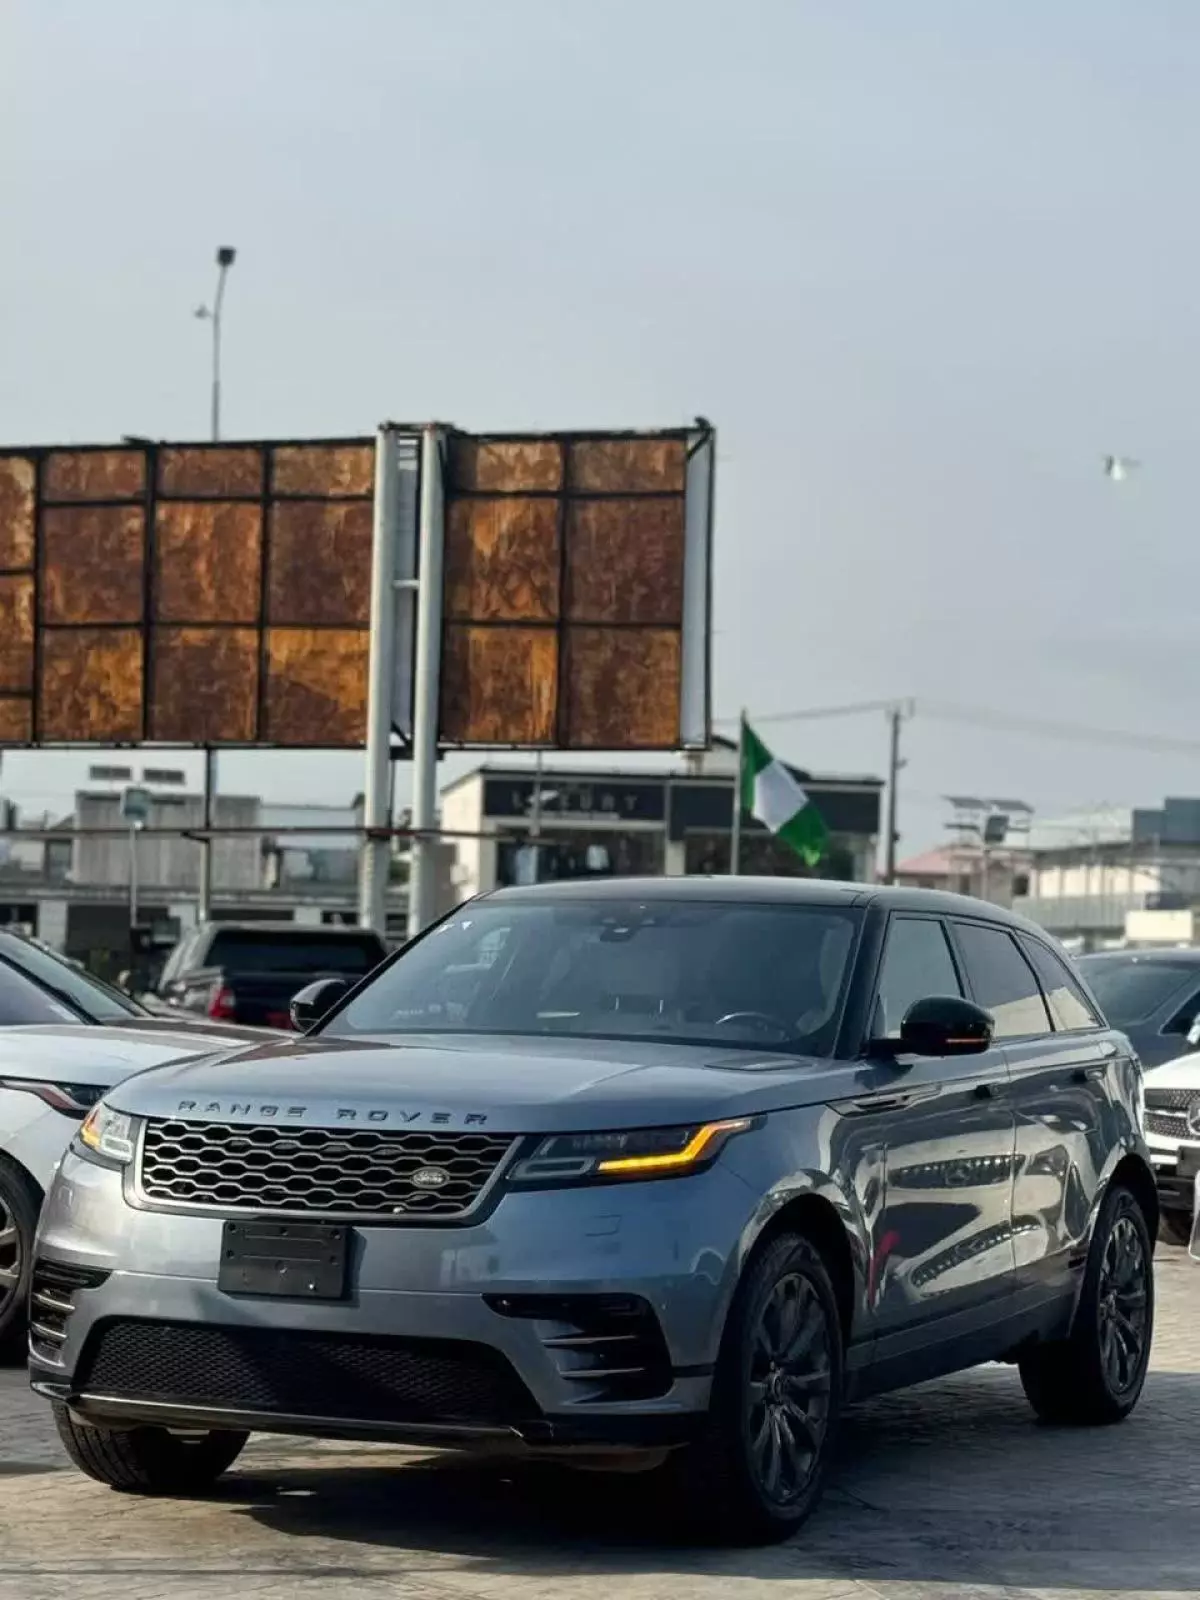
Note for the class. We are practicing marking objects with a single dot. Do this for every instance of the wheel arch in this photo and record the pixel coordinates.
(1133, 1172)
(817, 1219)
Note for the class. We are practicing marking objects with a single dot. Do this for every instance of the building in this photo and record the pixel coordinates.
(69, 880)
(1094, 871)
(616, 822)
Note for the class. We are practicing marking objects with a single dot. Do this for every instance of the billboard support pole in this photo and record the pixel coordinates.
(422, 880)
(376, 852)
(204, 903)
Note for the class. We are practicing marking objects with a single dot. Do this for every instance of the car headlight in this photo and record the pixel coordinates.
(108, 1135)
(635, 1153)
(72, 1099)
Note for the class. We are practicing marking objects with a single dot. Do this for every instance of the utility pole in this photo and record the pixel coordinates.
(226, 255)
(895, 718)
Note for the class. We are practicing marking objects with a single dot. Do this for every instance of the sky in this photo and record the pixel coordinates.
(923, 264)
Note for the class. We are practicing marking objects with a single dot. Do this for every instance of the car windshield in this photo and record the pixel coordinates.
(1131, 991)
(97, 1001)
(679, 971)
(23, 1003)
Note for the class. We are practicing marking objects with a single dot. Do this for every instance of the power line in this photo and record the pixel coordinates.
(988, 717)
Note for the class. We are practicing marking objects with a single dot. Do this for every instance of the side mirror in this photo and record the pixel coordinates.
(945, 1025)
(312, 1002)
(1193, 1037)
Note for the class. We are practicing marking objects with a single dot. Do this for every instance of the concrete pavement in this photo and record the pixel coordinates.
(949, 1491)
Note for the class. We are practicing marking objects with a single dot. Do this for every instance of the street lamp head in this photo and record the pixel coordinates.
(226, 255)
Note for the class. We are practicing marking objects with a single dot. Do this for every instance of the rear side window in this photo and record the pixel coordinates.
(240, 950)
(1002, 981)
(917, 965)
(1069, 1006)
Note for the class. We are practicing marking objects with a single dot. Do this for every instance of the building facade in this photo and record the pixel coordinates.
(613, 822)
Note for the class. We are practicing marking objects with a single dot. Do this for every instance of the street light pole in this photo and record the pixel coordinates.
(226, 255)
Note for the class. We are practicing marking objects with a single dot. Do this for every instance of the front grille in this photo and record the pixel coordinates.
(1172, 1099)
(1168, 1125)
(52, 1300)
(611, 1346)
(336, 1172)
(305, 1374)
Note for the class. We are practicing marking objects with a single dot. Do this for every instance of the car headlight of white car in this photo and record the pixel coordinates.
(72, 1099)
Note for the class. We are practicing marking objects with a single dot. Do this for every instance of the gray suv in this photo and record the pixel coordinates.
(642, 1174)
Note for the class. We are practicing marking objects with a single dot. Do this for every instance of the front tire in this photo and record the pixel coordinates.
(1096, 1375)
(19, 1207)
(150, 1461)
(758, 1470)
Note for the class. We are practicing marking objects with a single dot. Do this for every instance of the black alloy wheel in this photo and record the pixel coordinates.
(1123, 1317)
(787, 1394)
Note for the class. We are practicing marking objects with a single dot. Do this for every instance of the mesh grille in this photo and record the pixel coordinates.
(1168, 1125)
(1180, 1100)
(333, 1171)
(304, 1374)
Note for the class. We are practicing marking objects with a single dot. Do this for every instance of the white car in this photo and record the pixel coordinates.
(1173, 1134)
(50, 1077)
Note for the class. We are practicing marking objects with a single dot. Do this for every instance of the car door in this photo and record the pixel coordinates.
(941, 1249)
(1057, 1091)
(1069, 1098)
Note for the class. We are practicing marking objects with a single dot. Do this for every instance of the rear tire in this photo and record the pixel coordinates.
(1175, 1227)
(150, 1461)
(19, 1207)
(758, 1470)
(1096, 1375)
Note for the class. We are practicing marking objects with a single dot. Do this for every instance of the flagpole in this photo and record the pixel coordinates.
(735, 834)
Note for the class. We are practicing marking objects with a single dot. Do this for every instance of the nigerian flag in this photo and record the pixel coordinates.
(772, 795)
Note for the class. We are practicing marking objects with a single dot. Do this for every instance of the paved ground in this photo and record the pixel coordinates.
(950, 1491)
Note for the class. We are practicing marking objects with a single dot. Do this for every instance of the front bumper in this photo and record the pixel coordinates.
(507, 1325)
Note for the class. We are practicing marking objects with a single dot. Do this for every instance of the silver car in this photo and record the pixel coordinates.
(645, 1174)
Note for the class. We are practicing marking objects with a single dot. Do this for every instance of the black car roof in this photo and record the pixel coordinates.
(767, 891)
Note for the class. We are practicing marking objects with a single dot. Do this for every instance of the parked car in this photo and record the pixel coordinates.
(38, 985)
(1153, 996)
(651, 1173)
(248, 972)
(1173, 1135)
(50, 1078)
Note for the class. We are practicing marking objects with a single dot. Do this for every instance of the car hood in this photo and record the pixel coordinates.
(503, 1084)
(1181, 1073)
(97, 1056)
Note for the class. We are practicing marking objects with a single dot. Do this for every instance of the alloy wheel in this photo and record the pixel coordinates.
(1124, 1305)
(12, 1256)
(788, 1391)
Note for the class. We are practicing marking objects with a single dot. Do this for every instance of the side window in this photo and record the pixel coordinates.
(1002, 980)
(1069, 1006)
(916, 964)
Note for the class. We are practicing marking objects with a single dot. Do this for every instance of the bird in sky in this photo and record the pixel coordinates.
(1118, 468)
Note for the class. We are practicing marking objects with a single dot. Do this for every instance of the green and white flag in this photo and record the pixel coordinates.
(772, 795)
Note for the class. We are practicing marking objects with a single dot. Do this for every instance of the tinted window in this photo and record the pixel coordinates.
(1132, 988)
(22, 1003)
(95, 1000)
(1069, 1006)
(1002, 981)
(681, 971)
(916, 965)
(240, 950)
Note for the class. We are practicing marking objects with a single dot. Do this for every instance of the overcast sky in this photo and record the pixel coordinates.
(923, 264)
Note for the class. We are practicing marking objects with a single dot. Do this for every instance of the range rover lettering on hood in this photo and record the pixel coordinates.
(374, 1114)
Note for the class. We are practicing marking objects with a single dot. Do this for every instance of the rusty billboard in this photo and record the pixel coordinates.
(219, 595)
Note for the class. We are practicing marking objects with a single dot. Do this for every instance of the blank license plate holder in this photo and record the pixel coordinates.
(284, 1260)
